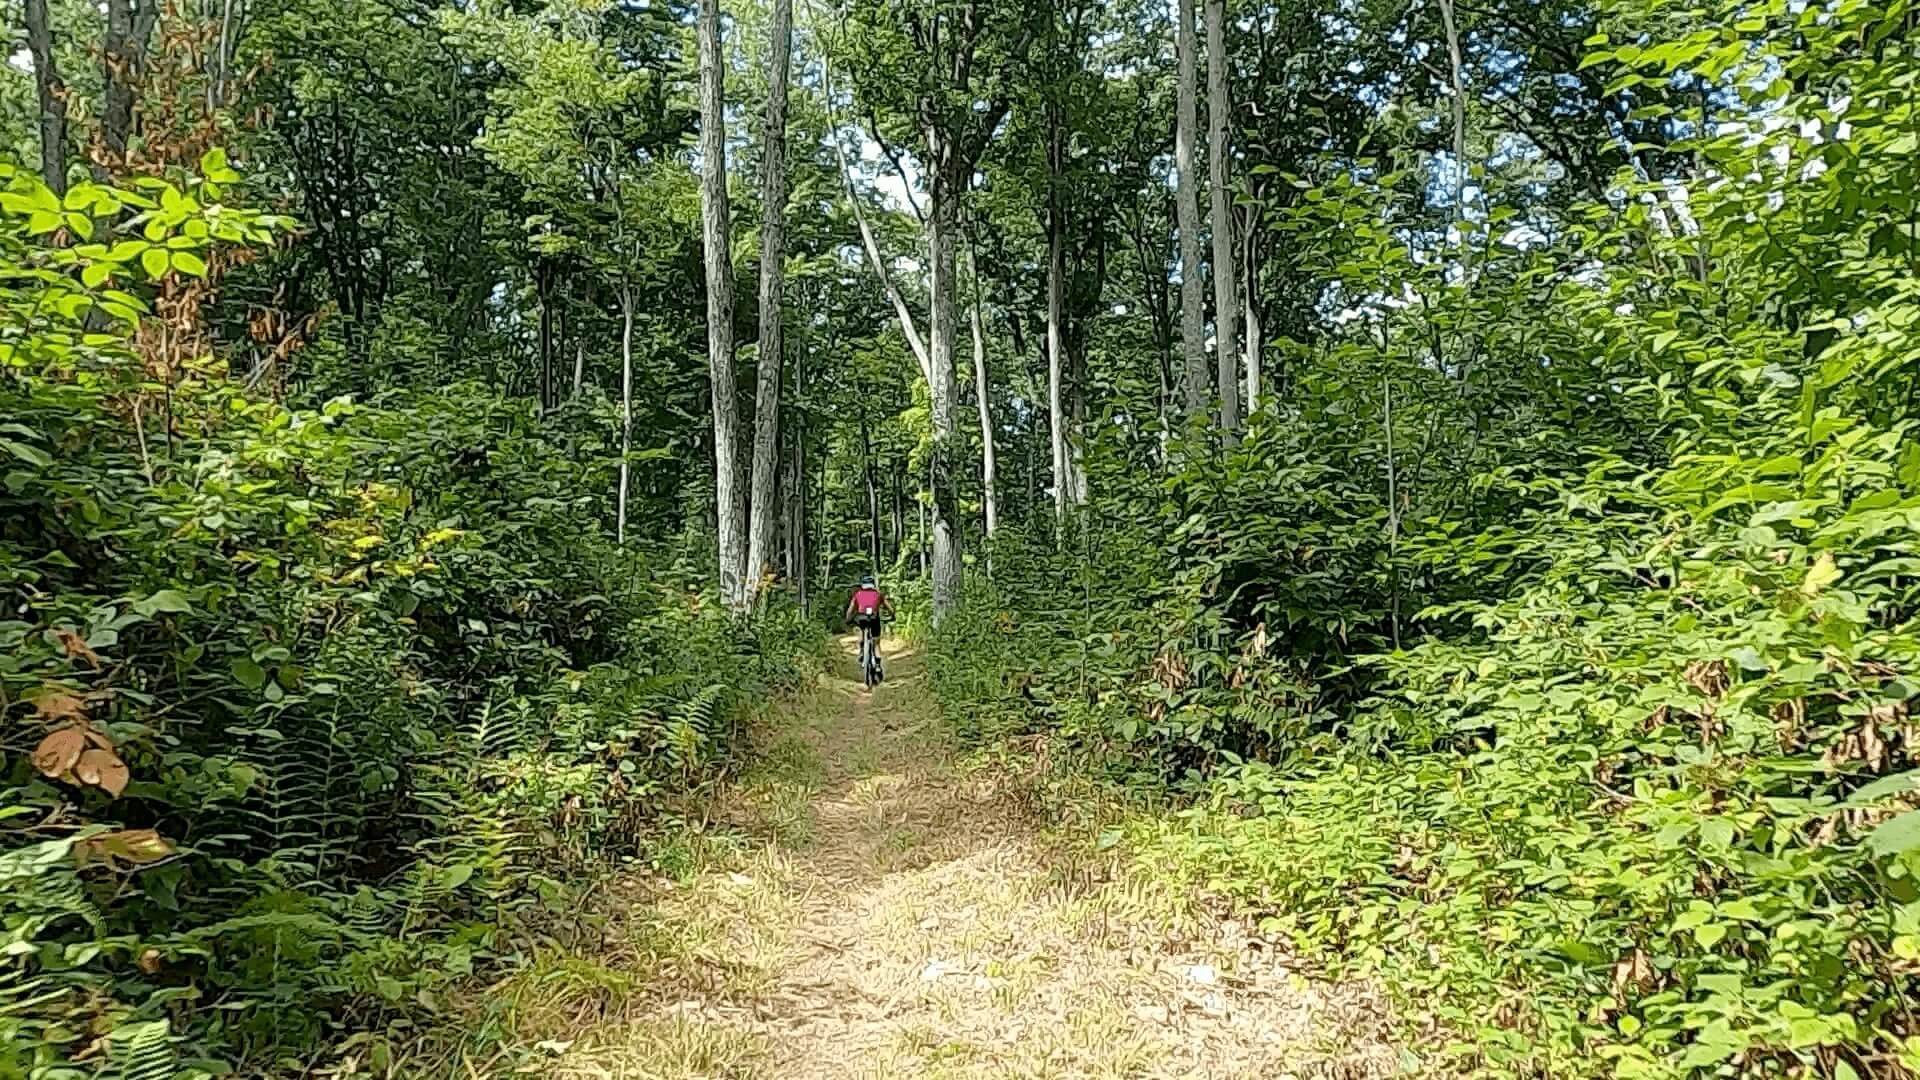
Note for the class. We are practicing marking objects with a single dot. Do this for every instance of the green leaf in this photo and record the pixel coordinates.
(1900, 835)
(188, 263)
(166, 600)
(96, 274)
(1694, 916)
(1716, 832)
(32, 455)
(249, 674)
(1884, 788)
(154, 261)
(1821, 574)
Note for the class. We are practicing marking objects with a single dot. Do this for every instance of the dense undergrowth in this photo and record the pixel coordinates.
(308, 710)
(1597, 746)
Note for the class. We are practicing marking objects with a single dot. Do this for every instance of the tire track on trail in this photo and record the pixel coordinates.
(893, 912)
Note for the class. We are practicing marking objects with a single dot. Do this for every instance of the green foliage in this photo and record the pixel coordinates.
(1595, 741)
(304, 709)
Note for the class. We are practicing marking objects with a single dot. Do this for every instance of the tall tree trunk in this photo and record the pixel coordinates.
(1077, 422)
(580, 343)
(950, 176)
(773, 246)
(1187, 205)
(53, 97)
(797, 488)
(1033, 480)
(1256, 326)
(982, 392)
(626, 408)
(729, 508)
(873, 495)
(901, 313)
(1056, 323)
(1456, 62)
(899, 512)
(1226, 282)
(222, 62)
(543, 278)
(129, 29)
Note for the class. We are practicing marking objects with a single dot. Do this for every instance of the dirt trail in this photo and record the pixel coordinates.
(894, 914)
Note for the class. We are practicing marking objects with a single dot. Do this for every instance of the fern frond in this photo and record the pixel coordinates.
(142, 1051)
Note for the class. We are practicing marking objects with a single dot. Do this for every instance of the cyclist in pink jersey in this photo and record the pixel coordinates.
(864, 610)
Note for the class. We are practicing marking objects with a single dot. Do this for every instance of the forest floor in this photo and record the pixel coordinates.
(887, 909)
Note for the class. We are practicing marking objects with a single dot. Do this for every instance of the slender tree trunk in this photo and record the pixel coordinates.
(901, 313)
(626, 407)
(129, 29)
(1393, 500)
(873, 495)
(729, 511)
(53, 97)
(826, 519)
(223, 56)
(1077, 424)
(1226, 281)
(579, 364)
(543, 276)
(943, 220)
(1456, 60)
(982, 392)
(1056, 325)
(1187, 205)
(773, 246)
(1033, 480)
(1256, 327)
(797, 487)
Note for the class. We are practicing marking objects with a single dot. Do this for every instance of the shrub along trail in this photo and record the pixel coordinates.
(897, 913)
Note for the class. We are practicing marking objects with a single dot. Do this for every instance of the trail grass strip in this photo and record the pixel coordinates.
(893, 913)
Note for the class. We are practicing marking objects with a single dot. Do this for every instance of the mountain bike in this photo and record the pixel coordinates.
(870, 670)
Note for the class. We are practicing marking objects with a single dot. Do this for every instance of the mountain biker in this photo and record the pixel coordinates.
(864, 609)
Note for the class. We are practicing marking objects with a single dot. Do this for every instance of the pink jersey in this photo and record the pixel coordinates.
(868, 601)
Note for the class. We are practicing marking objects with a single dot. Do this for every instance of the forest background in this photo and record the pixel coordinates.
(1458, 456)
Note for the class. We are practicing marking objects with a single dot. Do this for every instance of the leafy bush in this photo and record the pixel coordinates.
(302, 707)
(1598, 745)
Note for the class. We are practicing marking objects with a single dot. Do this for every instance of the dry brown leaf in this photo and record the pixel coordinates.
(76, 647)
(150, 961)
(103, 769)
(61, 705)
(1788, 716)
(136, 846)
(1709, 677)
(1633, 972)
(58, 752)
